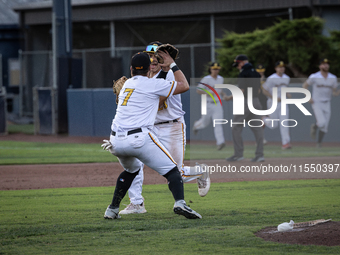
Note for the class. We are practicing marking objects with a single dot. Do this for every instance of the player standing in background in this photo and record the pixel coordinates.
(262, 97)
(132, 139)
(214, 111)
(278, 80)
(324, 85)
(170, 129)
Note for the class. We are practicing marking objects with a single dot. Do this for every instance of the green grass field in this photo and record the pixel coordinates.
(12, 152)
(206, 151)
(70, 221)
(26, 129)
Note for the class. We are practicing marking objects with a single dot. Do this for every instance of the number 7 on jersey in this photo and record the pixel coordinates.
(129, 91)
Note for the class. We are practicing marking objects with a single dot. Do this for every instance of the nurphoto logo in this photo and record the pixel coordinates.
(239, 102)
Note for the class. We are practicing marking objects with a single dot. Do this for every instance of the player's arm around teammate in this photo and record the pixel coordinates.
(133, 141)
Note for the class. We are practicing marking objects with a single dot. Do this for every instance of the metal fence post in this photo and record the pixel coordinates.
(192, 61)
(83, 56)
(21, 84)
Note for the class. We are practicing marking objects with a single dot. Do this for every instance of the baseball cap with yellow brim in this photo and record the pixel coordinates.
(324, 60)
(260, 68)
(215, 66)
(280, 64)
(151, 48)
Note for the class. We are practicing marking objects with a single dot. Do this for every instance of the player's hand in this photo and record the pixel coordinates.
(227, 98)
(311, 101)
(106, 145)
(336, 93)
(167, 58)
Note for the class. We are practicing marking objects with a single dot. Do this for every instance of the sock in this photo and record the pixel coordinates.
(194, 170)
(175, 183)
(123, 184)
(321, 134)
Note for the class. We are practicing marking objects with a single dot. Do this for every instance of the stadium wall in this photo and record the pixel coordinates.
(90, 113)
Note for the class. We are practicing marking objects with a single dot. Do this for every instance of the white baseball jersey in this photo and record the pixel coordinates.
(173, 105)
(322, 87)
(138, 102)
(277, 81)
(212, 82)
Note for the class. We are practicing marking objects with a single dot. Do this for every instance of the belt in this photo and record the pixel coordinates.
(166, 122)
(133, 131)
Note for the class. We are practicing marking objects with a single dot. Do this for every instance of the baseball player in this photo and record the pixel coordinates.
(214, 111)
(278, 80)
(170, 129)
(132, 139)
(324, 85)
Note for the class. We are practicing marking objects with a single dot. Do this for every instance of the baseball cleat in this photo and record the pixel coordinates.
(313, 129)
(286, 146)
(203, 182)
(181, 208)
(111, 213)
(132, 208)
(234, 158)
(258, 159)
(220, 146)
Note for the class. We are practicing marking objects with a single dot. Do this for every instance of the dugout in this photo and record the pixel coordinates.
(106, 33)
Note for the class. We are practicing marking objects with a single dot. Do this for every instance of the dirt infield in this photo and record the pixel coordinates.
(18, 177)
(14, 177)
(322, 234)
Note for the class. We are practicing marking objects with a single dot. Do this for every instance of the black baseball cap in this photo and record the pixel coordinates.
(260, 68)
(238, 59)
(151, 48)
(215, 66)
(140, 61)
(280, 63)
(324, 60)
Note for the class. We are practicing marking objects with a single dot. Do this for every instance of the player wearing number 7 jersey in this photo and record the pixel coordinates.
(132, 139)
(170, 128)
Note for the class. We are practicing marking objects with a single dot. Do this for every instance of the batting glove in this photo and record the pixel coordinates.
(106, 145)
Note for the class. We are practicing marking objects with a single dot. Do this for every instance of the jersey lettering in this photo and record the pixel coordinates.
(130, 91)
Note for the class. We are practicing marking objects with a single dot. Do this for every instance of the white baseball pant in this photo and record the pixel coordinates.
(173, 138)
(135, 150)
(276, 115)
(322, 111)
(213, 112)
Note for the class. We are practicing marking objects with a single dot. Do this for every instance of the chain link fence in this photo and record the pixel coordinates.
(99, 68)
